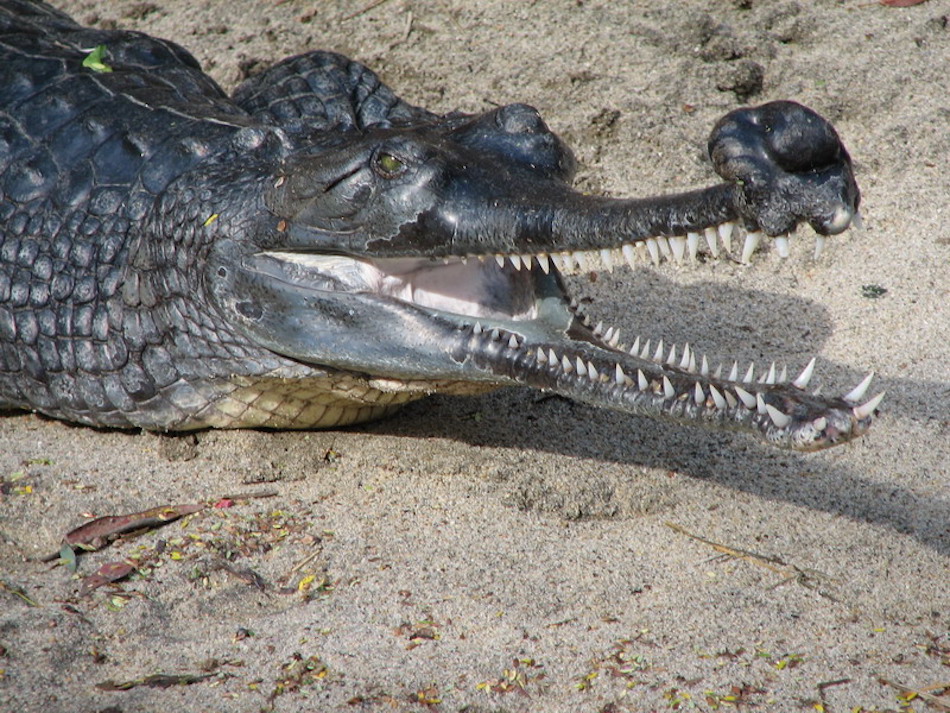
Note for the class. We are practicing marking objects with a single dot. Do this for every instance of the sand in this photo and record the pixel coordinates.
(515, 553)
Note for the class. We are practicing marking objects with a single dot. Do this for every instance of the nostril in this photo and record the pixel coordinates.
(839, 221)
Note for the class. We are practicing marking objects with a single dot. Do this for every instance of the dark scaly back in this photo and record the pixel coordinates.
(104, 178)
(324, 92)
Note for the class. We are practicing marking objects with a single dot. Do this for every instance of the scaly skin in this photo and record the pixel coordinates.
(313, 251)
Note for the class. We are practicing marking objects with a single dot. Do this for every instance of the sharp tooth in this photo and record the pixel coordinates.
(593, 260)
(581, 256)
(718, 373)
(515, 261)
(802, 381)
(642, 382)
(526, 261)
(541, 357)
(581, 369)
(552, 357)
(750, 374)
(592, 372)
(607, 259)
(668, 391)
(635, 349)
(629, 254)
(760, 404)
(500, 259)
(619, 376)
(495, 335)
(678, 248)
(717, 397)
(658, 354)
(819, 245)
(862, 412)
(752, 240)
(513, 342)
(730, 399)
(710, 235)
(614, 340)
(820, 424)
(698, 396)
(645, 352)
(747, 399)
(544, 262)
(671, 359)
(684, 362)
(692, 363)
(781, 245)
(654, 250)
(778, 418)
(704, 367)
(857, 393)
(566, 364)
(725, 234)
(477, 329)
(770, 377)
(664, 246)
(783, 377)
(734, 372)
(599, 329)
(692, 244)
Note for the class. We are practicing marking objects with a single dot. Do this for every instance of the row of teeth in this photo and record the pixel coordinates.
(720, 398)
(655, 249)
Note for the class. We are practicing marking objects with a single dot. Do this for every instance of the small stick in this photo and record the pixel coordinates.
(938, 702)
(371, 6)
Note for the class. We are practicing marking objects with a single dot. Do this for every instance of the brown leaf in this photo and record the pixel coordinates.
(97, 533)
(901, 3)
(106, 574)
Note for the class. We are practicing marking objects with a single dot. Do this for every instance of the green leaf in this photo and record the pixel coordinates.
(94, 61)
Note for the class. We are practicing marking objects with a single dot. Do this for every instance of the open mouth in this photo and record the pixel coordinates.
(476, 288)
(505, 319)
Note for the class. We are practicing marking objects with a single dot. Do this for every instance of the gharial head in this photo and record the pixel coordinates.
(431, 250)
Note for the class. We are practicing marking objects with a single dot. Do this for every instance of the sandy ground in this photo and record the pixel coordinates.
(510, 552)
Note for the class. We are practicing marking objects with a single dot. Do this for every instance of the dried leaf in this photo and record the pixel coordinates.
(97, 533)
(106, 574)
(901, 3)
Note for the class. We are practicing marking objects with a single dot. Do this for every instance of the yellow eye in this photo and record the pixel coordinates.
(388, 165)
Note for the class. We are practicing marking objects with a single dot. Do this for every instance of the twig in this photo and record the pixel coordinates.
(772, 563)
(372, 6)
(806, 577)
(300, 565)
(939, 702)
(250, 495)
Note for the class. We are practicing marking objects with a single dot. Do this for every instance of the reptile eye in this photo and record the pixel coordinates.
(387, 165)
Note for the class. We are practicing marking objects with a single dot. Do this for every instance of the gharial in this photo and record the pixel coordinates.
(312, 251)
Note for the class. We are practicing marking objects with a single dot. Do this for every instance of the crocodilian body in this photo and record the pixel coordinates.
(313, 252)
